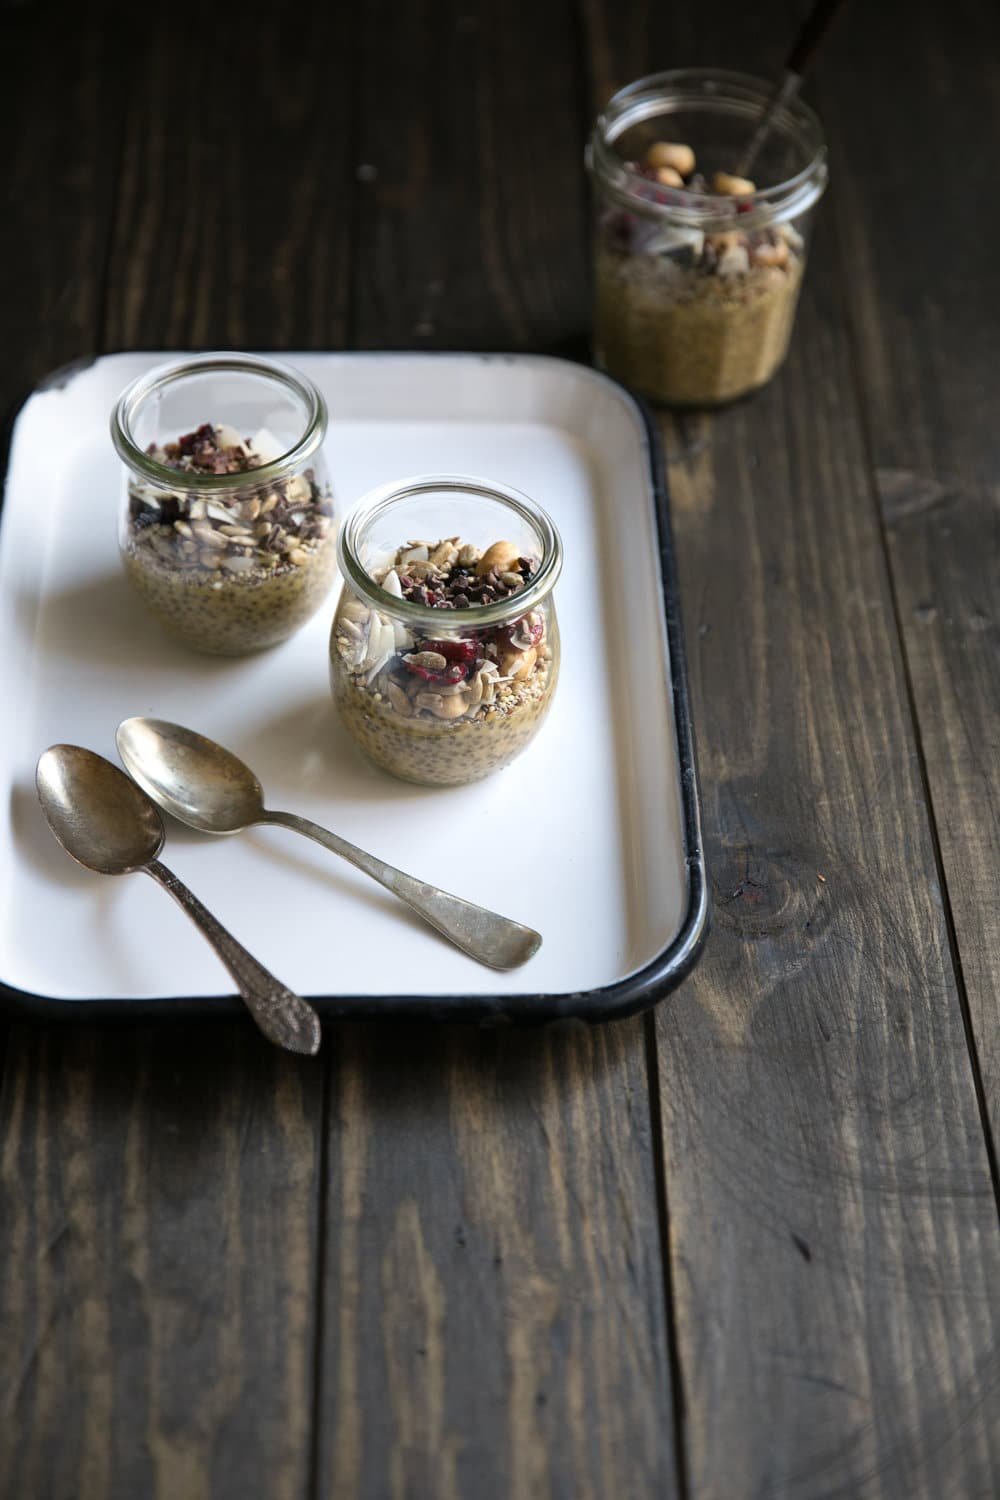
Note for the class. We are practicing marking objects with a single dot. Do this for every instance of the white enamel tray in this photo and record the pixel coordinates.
(591, 836)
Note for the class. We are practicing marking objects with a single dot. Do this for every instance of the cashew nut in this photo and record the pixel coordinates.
(671, 154)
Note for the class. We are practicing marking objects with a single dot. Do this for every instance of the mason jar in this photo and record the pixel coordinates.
(444, 652)
(697, 271)
(226, 521)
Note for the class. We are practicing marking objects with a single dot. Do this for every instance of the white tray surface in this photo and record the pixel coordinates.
(581, 837)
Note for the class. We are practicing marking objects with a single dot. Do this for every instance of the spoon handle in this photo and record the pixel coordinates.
(284, 1018)
(492, 939)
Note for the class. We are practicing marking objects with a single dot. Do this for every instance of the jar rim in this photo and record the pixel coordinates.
(157, 379)
(375, 504)
(704, 89)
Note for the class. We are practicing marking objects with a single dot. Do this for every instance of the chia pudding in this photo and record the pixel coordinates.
(701, 232)
(235, 570)
(445, 704)
(689, 317)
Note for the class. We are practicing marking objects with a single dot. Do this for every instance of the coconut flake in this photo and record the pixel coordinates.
(265, 446)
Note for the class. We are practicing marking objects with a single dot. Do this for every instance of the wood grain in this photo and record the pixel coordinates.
(160, 1191)
(494, 1319)
(472, 211)
(158, 1202)
(833, 1230)
(921, 288)
(233, 223)
(59, 166)
(433, 1265)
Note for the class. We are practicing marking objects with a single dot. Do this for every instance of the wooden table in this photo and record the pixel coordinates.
(746, 1246)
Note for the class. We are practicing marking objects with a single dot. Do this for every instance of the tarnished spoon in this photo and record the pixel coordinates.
(108, 824)
(208, 788)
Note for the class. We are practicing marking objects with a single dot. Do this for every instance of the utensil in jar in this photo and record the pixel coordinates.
(109, 825)
(206, 786)
(804, 48)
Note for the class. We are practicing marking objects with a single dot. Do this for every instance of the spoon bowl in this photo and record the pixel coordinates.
(211, 789)
(109, 824)
(98, 815)
(191, 777)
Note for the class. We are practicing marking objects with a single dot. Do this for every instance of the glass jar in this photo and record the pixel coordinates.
(444, 651)
(697, 271)
(226, 525)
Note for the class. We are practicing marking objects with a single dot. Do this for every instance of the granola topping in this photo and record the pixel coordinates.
(235, 569)
(687, 316)
(405, 693)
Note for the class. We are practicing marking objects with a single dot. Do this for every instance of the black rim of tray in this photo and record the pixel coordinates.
(625, 997)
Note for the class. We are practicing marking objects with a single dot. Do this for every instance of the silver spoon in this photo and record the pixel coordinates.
(109, 825)
(206, 787)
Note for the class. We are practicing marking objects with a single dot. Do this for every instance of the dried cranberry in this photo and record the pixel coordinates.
(425, 672)
(452, 651)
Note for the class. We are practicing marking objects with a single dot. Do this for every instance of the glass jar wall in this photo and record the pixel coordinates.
(226, 522)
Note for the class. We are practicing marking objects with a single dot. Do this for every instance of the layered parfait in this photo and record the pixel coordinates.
(451, 699)
(235, 568)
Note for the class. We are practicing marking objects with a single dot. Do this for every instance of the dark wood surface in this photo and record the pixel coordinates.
(746, 1247)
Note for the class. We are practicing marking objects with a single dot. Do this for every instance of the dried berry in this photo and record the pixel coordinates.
(452, 651)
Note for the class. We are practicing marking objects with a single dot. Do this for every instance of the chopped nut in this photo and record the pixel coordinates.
(669, 177)
(500, 557)
(671, 154)
(444, 555)
(428, 661)
(768, 254)
(734, 262)
(731, 239)
(442, 707)
(399, 700)
(208, 534)
(517, 663)
(732, 187)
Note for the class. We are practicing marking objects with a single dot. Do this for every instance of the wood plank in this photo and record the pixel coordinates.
(160, 1190)
(494, 1310)
(234, 213)
(921, 287)
(472, 217)
(59, 137)
(158, 1203)
(834, 1238)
